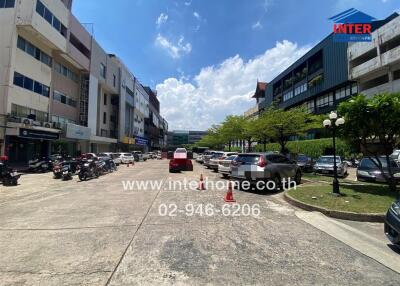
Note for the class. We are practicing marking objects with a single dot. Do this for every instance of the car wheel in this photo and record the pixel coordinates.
(278, 182)
(297, 178)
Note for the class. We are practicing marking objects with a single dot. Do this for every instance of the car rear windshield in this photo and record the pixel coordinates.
(217, 155)
(231, 157)
(302, 158)
(328, 160)
(370, 164)
(248, 159)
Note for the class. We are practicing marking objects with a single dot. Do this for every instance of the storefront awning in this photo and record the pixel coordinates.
(102, 140)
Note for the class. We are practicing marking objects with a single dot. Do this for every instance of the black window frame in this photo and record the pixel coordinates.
(28, 83)
(48, 16)
(21, 43)
(40, 8)
(8, 4)
(18, 79)
(37, 87)
(104, 117)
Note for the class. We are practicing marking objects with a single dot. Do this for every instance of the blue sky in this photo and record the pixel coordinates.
(205, 56)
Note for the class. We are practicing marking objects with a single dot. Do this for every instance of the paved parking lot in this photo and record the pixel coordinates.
(97, 233)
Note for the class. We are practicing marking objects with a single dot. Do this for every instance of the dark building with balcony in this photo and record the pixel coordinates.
(319, 80)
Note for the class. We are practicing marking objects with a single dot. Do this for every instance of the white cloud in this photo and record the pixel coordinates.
(174, 50)
(267, 4)
(161, 19)
(196, 15)
(188, 3)
(257, 25)
(223, 89)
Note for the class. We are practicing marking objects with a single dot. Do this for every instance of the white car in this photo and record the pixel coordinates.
(214, 161)
(224, 166)
(124, 158)
(180, 153)
(199, 158)
(396, 156)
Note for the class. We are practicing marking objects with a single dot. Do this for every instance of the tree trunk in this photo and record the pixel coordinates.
(265, 145)
(249, 145)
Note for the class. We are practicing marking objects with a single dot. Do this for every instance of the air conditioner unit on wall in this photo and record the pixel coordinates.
(26, 121)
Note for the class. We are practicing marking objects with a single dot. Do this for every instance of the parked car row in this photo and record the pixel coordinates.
(252, 167)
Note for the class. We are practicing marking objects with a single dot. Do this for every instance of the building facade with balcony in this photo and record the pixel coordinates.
(375, 65)
(34, 33)
(318, 80)
(60, 92)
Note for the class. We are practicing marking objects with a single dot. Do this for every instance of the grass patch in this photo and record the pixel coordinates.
(316, 178)
(368, 198)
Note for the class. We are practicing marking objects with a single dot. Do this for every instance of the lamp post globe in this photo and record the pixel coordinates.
(332, 123)
(333, 115)
(339, 121)
(327, 123)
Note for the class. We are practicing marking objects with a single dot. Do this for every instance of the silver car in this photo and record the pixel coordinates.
(324, 165)
(214, 160)
(255, 167)
(207, 156)
(224, 166)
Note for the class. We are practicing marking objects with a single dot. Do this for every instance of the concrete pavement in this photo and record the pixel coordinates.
(97, 233)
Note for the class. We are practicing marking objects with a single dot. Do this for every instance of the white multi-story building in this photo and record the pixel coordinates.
(60, 92)
(375, 65)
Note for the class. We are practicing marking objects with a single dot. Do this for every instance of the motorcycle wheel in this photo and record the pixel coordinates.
(82, 177)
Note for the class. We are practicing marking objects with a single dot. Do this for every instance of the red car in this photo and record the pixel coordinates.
(180, 161)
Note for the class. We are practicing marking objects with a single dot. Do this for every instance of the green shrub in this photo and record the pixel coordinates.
(313, 148)
(233, 149)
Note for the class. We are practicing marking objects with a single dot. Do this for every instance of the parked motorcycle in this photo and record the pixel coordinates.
(88, 169)
(42, 165)
(109, 165)
(69, 168)
(57, 170)
(8, 176)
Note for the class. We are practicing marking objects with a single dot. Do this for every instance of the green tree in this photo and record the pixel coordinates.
(373, 126)
(278, 124)
(213, 139)
(231, 129)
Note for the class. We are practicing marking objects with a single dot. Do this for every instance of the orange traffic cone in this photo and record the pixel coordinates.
(229, 194)
(201, 186)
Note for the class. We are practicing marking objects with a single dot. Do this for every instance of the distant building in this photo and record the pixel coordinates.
(376, 65)
(178, 138)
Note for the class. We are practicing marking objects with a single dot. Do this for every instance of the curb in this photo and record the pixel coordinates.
(373, 217)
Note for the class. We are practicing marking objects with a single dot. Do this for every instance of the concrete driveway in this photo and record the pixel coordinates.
(97, 233)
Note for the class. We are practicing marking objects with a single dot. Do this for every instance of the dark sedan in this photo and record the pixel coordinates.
(392, 223)
(369, 171)
(305, 163)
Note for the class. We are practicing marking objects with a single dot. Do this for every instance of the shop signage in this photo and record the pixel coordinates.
(38, 134)
(352, 26)
(78, 132)
(128, 140)
(141, 141)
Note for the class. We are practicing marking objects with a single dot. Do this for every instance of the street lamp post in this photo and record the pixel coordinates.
(334, 122)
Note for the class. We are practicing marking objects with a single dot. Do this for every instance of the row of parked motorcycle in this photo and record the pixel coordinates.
(65, 167)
